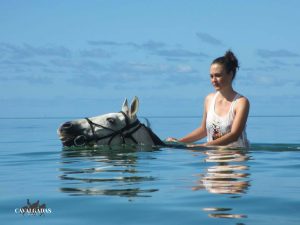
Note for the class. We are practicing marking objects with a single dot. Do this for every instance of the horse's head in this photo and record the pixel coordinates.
(111, 128)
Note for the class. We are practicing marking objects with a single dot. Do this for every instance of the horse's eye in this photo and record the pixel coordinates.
(111, 120)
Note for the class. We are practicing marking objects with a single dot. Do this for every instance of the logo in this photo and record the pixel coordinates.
(33, 209)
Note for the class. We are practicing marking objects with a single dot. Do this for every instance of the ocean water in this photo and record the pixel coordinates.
(161, 186)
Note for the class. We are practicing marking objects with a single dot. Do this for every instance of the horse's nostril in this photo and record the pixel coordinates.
(80, 140)
(66, 126)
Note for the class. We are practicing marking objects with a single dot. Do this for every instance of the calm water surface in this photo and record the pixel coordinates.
(140, 186)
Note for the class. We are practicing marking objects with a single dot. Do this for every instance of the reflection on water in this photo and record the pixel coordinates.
(228, 175)
(218, 213)
(104, 171)
(122, 172)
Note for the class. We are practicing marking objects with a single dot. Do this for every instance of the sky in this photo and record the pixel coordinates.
(82, 58)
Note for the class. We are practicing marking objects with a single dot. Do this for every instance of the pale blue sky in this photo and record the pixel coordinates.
(82, 58)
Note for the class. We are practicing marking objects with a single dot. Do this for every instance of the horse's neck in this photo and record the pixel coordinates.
(143, 136)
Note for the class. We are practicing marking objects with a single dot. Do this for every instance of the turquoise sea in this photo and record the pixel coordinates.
(166, 186)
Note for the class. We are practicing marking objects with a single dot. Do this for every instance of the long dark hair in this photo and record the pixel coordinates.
(229, 62)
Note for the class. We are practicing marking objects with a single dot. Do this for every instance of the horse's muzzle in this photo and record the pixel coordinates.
(72, 134)
(66, 134)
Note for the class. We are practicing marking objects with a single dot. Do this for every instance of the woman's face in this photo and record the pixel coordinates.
(219, 78)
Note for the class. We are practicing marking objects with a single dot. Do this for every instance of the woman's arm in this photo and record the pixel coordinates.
(195, 135)
(238, 125)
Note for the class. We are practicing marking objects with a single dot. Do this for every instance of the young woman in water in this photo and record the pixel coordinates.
(225, 111)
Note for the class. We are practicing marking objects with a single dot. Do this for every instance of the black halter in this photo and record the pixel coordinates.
(114, 133)
(135, 126)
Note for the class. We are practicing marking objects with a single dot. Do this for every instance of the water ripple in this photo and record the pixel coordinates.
(101, 172)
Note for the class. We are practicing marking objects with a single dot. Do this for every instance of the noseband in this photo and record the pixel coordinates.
(114, 133)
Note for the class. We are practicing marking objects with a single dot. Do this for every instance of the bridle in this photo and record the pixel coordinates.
(135, 126)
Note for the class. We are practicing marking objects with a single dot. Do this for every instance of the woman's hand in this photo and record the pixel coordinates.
(171, 139)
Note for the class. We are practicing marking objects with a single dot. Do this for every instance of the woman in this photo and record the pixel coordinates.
(225, 111)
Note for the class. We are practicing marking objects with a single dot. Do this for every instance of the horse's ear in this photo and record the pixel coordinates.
(125, 108)
(134, 107)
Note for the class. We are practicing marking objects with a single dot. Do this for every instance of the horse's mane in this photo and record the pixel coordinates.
(148, 124)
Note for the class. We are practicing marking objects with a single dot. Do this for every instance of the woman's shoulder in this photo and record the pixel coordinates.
(242, 101)
(208, 99)
(210, 96)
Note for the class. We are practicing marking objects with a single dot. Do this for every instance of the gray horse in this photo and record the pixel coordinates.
(109, 129)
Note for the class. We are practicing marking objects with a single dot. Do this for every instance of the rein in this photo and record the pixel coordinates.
(136, 125)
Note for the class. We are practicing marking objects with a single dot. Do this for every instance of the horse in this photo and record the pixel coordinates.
(118, 128)
(30, 208)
